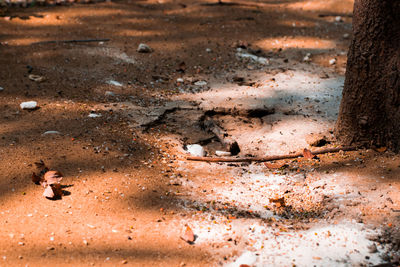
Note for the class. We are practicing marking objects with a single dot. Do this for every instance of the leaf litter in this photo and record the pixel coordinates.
(49, 180)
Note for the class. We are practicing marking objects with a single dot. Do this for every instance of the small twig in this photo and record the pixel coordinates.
(271, 158)
(71, 41)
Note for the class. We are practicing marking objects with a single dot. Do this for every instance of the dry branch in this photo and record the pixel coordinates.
(270, 158)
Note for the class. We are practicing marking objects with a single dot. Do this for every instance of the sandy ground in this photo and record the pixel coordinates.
(130, 193)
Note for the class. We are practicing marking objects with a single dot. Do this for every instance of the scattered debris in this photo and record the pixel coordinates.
(271, 158)
(144, 48)
(29, 105)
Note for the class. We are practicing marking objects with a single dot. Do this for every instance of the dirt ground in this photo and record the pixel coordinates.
(121, 121)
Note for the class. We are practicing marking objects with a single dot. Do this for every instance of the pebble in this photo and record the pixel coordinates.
(51, 132)
(28, 105)
(109, 93)
(200, 83)
(196, 150)
(144, 48)
(338, 19)
(332, 61)
(222, 153)
(208, 50)
(1, 89)
(94, 115)
(115, 83)
(307, 58)
(179, 80)
(346, 36)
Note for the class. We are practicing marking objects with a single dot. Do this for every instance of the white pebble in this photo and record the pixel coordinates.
(179, 80)
(144, 48)
(51, 132)
(28, 105)
(1, 89)
(200, 83)
(115, 83)
(94, 115)
(196, 150)
(338, 19)
(222, 153)
(332, 61)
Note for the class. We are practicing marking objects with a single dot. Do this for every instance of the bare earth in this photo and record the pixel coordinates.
(130, 193)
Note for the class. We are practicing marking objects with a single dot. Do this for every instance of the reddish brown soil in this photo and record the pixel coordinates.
(116, 211)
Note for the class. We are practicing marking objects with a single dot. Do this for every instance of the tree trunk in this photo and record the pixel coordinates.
(370, 108)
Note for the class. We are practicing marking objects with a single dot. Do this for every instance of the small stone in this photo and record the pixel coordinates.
(223, 153)
(1, 89)
(94, 115)
(50, 248)
(338, 19)
(115, 83)
(30, 105)
(208, 50)
(332, 61)
(179, 80)
(307, 58)
(346, 36)
(85, 242)
(372, 248)
(124, 262)
(36, 78)
(317, 140)
(109, 93)
(51, 132)
(196, 150)
(20, 257)
(144, 48)
(200, 83)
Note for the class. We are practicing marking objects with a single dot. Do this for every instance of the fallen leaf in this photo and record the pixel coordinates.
(307, 154)
(276, 165)
(188, 236)
(36, 178)
(53, 191)
(52, 177)
(381, 149)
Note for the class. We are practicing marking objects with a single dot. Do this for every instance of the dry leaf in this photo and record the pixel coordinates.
(381, 149)
(53, 191)
(188, 236)
(276, 165)
(36, 178)
(307, 154)
(52, 177)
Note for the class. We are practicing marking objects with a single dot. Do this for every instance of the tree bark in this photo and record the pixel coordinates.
(370, 108)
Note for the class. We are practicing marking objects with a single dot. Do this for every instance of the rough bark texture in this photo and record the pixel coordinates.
(370, 108)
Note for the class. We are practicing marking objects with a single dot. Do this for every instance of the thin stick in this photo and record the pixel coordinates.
(72, 41)
(270, 158)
